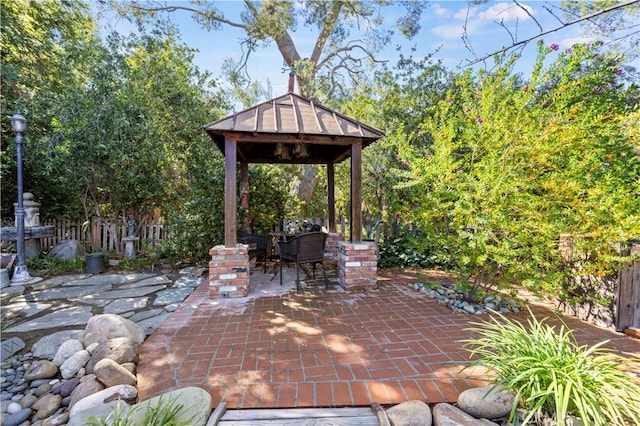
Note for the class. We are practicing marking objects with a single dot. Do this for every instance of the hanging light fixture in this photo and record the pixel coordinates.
(282, 151)
(300, 150)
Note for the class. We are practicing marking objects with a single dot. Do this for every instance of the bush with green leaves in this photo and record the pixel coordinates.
(411, 249)
(552, 376)
(505, 166)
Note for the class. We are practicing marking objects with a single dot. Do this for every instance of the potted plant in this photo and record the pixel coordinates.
(94, 259)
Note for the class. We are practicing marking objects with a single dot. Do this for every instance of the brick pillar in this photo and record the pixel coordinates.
(332, 248)
(358, 265)
(229, 271)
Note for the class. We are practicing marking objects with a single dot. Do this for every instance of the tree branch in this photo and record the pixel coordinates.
(199, 12)
(327, 29)
(526, 41)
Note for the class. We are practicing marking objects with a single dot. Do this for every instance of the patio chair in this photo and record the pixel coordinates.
(303, 249)
(262, 243)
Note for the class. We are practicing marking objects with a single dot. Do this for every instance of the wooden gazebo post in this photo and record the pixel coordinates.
(356, 193)
(229, 266)
(331, 197)
(230, 185)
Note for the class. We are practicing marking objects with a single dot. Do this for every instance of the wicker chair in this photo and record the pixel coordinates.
(302, 249)
(261, 252)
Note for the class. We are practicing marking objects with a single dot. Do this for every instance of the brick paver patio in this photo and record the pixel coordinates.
(322, 348)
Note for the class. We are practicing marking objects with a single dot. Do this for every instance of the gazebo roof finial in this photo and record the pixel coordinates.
(292, 80)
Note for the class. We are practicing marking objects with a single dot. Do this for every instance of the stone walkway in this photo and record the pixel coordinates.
(64, 304)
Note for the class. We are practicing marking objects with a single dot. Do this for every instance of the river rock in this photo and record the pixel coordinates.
(110, 373)
(88, 386)
(14, 407)
(28, 400)
(46, 406)
(17, 418)
(101, 328)
(447, 415)
(74, 363)
(126, 393)
(195, 402)
(119, 349)
(410, 413)
(41, 369)
(64, 389)
(42, 389)
(486, 402)
(57, 420)
(66, 350)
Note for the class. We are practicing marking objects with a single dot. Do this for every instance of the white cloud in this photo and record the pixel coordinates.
(455, 30)
(448, 32)
(438, 10)
(570, 41)
(506, 12)
(467, 12)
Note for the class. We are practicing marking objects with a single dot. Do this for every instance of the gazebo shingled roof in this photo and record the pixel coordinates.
(291, 119)
(298, 125)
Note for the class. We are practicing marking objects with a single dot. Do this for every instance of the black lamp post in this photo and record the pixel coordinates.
(20, 274)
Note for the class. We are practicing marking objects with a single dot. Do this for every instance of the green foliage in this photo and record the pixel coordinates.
(55, 266)
(553, 376)
(164, 413)
(145, 263)
(197, 221)
(410, 250)
(501, 168)
(45, 50)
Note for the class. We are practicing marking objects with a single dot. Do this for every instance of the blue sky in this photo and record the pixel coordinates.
(441, 28)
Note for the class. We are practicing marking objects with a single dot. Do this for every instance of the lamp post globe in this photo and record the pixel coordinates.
(20, 274)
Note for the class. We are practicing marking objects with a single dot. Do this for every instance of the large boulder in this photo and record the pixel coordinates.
(487, 402)
(101, 328)
(88, 386)
(447, 415)
(67, 250)
(119, 349)
(195, 402)
(74, 363)
(41, 369)
(110, 373)
(66, 350)
(410, 413)
(126, 393)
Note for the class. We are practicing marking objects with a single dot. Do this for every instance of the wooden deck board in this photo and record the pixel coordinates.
(300, 417)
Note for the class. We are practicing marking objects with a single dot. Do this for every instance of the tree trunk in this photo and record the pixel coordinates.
(304, 186)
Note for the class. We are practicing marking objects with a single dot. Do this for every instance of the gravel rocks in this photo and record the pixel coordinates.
(449, 295)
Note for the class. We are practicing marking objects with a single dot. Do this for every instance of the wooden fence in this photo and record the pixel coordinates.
(628, 305)
(109, 236)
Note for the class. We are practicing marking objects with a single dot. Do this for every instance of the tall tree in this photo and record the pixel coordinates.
(44, 47)
(339, 58)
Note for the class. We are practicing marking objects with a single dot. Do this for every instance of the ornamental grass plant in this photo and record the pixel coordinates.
(552, 376)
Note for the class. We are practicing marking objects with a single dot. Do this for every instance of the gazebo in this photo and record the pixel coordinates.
(292, 129)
